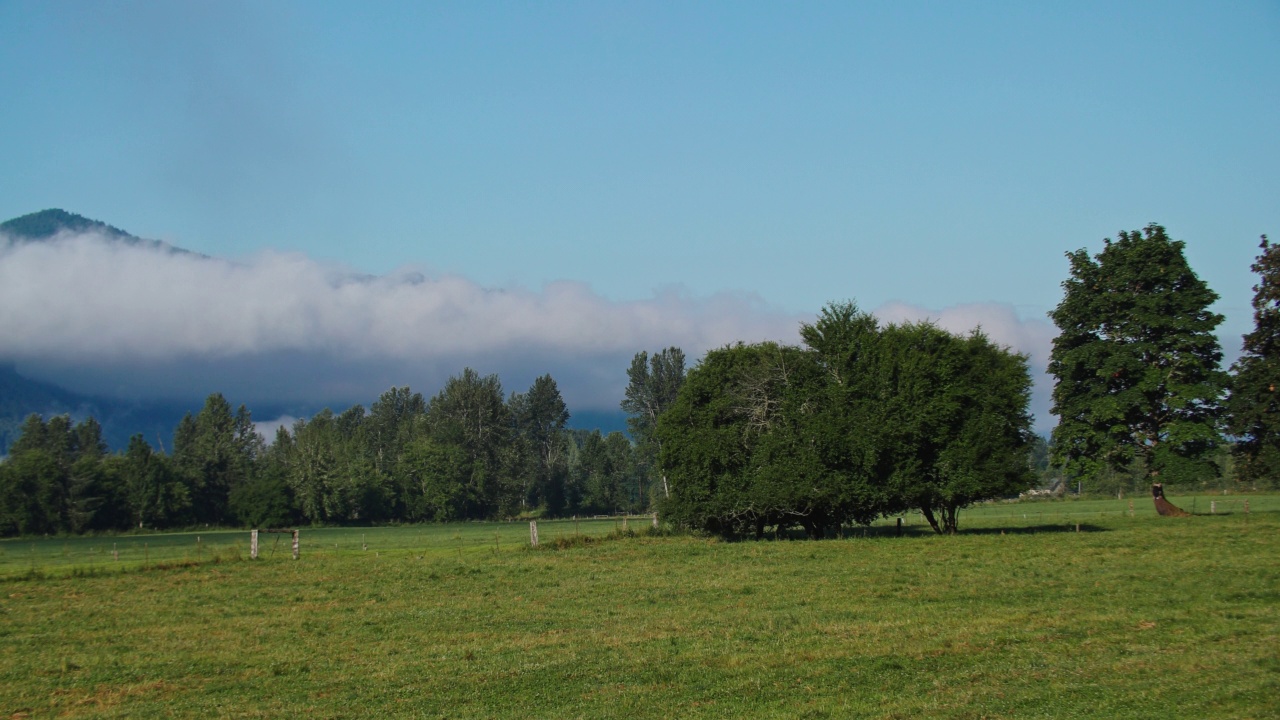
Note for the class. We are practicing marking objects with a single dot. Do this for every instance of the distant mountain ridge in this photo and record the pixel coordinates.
(21, 397)
(51, 223)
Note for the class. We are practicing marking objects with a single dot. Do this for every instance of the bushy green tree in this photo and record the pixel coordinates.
(29, 500)
(956, 428)
(864, 420)
(55, 479)
(441, 473)
(848, 423)
(738, 444)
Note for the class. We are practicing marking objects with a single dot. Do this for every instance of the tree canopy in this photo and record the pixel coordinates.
(1253, 411)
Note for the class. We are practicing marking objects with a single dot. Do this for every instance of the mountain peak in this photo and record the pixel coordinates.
(48, 223)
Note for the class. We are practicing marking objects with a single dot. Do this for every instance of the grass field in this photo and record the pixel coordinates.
(60, 556)
(1018, 616)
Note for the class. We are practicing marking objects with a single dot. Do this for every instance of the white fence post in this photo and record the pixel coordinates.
(253, 544)
(533, 533)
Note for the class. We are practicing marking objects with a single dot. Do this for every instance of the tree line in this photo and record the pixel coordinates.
(863, 420)
(857, 421)
(467, 453)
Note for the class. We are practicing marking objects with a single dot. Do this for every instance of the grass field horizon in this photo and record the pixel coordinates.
(50, 556)
(1017, 616)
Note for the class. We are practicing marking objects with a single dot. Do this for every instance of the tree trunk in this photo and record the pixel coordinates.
(928, 515)
(949, 521)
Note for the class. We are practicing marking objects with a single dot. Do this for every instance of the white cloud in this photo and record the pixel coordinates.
(133, 320)
(138, 321)
(267, 428)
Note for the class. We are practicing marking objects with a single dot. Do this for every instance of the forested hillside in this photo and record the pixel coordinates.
(48, 224)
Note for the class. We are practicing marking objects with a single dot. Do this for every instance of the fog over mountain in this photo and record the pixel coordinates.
(92, 309)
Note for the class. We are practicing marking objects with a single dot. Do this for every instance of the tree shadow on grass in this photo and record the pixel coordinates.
(859, 532)
(1036, 529)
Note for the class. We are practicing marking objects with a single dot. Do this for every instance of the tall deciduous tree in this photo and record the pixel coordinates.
(1254, 406)
(389, 430)
(470, 412)
(540, 416)
(652, 386)
(215, 451)
(1136, 361)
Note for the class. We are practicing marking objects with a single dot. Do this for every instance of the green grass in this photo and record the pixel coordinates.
(1017, 618)
(97, 555)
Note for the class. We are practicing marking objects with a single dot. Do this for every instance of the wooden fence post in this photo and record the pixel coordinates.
(533, 533)
(655, 521)
(295, 544)
(253, 544)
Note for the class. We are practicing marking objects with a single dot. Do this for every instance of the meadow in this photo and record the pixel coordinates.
(1037, 609)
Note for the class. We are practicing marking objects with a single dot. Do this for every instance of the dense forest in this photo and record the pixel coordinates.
(856, 421)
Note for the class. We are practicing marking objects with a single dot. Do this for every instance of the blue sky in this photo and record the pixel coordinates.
(921, 158)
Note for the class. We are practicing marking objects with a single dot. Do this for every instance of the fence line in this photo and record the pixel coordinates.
(95, 555)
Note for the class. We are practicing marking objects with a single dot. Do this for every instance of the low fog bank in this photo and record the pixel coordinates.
(114, 320)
